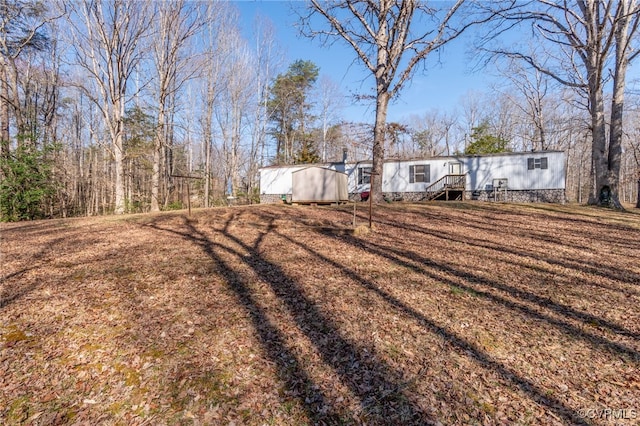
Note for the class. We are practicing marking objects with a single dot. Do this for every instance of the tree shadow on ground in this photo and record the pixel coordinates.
(457, 343)
(10, 293)
(414, 260)
(625, 277)
(543, 302)
(506, 223)
(425, 266)
(380, 390)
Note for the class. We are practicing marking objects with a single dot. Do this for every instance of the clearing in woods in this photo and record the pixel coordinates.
(462, 313)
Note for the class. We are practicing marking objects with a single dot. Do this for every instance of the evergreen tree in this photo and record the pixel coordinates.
(291, 109)
(483, 142)
(307, 154)
(26, 183)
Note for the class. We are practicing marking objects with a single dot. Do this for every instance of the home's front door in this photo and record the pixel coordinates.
(455, 168)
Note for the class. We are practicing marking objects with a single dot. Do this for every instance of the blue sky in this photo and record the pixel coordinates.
(441, 87)
(448, 79)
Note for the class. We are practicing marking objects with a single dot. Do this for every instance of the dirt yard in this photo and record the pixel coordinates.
(462, 313)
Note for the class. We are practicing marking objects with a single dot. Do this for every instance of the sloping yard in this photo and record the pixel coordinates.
(463, 313)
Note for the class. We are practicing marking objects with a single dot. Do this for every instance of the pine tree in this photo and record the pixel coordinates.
(26, 184)
(483, 142)
(290, 109)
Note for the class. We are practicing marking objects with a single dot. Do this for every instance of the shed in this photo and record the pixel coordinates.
(319, 185)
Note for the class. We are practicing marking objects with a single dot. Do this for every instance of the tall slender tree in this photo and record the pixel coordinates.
(22, 30)
(178, 22)
(231, 112)
(529, 98)
(215, 57)
(107, 45)
(390, 38)
(585, 45)
(266, 60)
(290, 107)
(330, 103)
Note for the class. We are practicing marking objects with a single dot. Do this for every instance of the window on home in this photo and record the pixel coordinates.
(364, 175)
(419, 173)
(537, 163)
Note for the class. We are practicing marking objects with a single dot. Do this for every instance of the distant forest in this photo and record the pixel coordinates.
(132, 106)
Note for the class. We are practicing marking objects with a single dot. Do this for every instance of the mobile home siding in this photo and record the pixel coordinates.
(351, 169)
(397, 175)
(530, 176)
(481, 171)
(277, 180)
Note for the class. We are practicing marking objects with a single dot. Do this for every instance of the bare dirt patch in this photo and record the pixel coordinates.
(462, 313)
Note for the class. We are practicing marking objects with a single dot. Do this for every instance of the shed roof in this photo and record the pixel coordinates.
(319, 167)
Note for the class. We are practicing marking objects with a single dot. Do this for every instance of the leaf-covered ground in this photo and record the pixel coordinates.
(464, 313)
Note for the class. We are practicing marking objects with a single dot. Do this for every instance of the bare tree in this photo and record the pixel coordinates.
(215, 58)
(231, 112)
(502, 120)
(448, 121)
(431, 132)
(625, 26)
(329, 104)
(633, 150)
(356, 138)
(529, 98)
(267, 58)
(177, 24)
(582, 40)
(472, 105)
(23, 27)
(390, 38)
(107, 38)
(636, 157)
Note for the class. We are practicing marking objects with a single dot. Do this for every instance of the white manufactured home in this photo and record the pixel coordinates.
(517, 177)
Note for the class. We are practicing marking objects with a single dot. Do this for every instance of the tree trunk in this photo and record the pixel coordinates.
(208, 143)
(208, 133)
(118, 152)
(16, 105)
(382, 103)
(157, 158)
(4, 109)
(602, 192)
(638, 195)
(207, 171)
(119, 157)
(614, 159)
(235, 146)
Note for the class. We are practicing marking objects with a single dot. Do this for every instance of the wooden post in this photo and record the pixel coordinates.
(371, 178)
(370, 197)
(354, 214)
(188, 198)
(188, 178)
